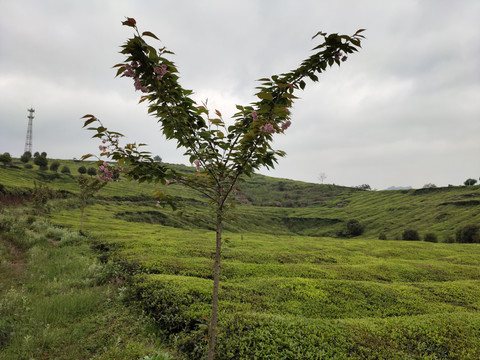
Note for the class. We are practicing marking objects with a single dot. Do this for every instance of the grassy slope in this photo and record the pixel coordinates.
(347, 297)
(57, 301)
(283, 206)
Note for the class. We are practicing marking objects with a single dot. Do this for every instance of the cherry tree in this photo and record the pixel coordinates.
(223, 152)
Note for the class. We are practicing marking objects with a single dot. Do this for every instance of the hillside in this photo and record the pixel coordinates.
(285, 206)
(292, 286)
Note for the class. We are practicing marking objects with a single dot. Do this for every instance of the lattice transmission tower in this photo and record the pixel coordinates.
(28, 141)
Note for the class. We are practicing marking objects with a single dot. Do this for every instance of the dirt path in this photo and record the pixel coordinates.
(17, 262)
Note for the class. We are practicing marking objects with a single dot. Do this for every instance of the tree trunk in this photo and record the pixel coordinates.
(216, 284)
(81, 218)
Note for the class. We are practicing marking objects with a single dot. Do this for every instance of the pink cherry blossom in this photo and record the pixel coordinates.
(267, 128)
(197, 164)
(160, 71)
(254, 115)
(286, 125)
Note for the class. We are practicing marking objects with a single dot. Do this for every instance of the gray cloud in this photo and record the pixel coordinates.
(403, 111)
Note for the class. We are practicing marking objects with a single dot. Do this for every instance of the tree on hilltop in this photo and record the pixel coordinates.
(6, 159)
(41, 162)
(25, 158)
(470, 182)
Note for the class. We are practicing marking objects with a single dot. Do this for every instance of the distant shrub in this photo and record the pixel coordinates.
(468, 234)
(65, 170)
(54, 166)
(82, 170)
(382, 236)
(28, 166)
(410, 234)
(354, 228)
(92, 171)
(41, 162)
(449, 239)
(5, 158)
(430, 237)
(25, 158)
(470, 182)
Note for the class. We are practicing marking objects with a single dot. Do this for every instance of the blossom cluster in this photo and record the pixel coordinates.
(109, 143)
(130, 72)
(160, 71)
(269, 128)
(106, 172)
(197, 164)
(338, 56)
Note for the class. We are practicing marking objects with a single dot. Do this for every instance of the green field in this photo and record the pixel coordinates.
(292, 288)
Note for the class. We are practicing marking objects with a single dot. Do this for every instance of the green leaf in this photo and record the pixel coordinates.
(89, 121)
(265, 96)
(148, 33)
(120, 71)
(216, 121)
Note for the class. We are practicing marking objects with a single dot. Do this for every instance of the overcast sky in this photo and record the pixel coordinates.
(404, 111)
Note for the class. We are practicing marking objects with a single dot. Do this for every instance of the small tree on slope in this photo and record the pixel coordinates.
(222, 152)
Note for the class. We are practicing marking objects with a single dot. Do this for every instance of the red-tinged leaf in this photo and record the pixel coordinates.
(118, 65)
(87, 116)
(219, 114)
(359, 31)
(148, 33)
(129, 22)
(86, 156)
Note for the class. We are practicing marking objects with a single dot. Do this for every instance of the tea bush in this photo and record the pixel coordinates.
(430, 237)
(410, 234)
(354, 228)
(468, 234)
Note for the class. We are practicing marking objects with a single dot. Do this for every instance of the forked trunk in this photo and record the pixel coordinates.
(216, 284)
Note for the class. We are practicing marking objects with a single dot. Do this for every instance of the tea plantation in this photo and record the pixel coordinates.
(295, 283)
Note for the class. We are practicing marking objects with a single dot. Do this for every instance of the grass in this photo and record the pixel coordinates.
(364, 287)
(62, 303)
(291, 288)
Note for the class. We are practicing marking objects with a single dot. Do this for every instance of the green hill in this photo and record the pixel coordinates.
(273, 205)
(293, 287)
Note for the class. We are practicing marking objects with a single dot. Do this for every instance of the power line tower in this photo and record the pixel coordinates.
(28, 141)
